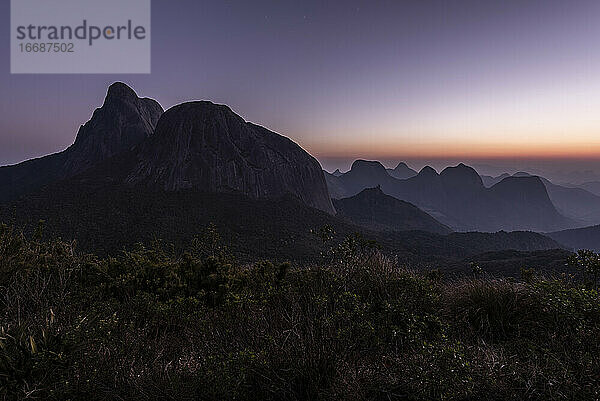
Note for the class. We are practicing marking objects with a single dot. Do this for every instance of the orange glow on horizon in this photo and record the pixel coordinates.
(458, 150)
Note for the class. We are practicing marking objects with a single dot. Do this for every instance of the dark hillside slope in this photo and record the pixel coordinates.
(579, 238)
(106, 218)
(373, 209)
(575, 203)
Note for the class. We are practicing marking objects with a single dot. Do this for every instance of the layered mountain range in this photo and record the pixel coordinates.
(458, 198)
(136, 172)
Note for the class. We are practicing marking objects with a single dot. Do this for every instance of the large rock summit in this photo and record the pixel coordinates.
(124, 121)
(207, 147)
(198, 146)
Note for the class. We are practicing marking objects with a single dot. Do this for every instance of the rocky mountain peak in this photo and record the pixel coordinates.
(427, 171)
(119, 91)
(367, 165)
(461, 176)
(123, 121)
(205, 146)
(402, 171)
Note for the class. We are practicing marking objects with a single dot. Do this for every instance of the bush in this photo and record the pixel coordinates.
(153, 323)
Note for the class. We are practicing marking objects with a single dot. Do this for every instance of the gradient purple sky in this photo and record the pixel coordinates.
(508, 83)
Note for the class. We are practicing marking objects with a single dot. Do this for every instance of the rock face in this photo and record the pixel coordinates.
(123, 121)
(207, 147)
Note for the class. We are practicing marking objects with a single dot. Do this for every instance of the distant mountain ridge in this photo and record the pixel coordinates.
(591, 186)
(458, 197)
(490, 181)
(402, 171)
(575, 203)
(578, 238)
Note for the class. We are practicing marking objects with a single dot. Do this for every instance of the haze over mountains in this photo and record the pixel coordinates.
(458, 198)
(164, 173)
(577, 203)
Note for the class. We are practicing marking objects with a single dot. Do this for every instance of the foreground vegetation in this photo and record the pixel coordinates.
(158, 324)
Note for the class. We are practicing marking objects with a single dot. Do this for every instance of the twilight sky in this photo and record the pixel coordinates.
(502, 83)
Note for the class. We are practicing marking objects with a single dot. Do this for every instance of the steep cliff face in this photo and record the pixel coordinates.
(123, 121)
(207, 147)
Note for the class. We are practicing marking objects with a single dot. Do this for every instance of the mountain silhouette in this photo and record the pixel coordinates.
(363, 174)
(135, 173)
(207, 147)
(373, 209)
(489, 181)
(577, 204)
(524, 201)
(402, 171)
(578, 238)
(197, 145)
(522, 174)
(461, 178)
(123, 121)
(458, 198)
(591, 186)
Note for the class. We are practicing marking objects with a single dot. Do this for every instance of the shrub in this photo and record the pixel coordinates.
(154, 323)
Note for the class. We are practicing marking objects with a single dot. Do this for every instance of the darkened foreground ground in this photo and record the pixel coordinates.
(151, 324)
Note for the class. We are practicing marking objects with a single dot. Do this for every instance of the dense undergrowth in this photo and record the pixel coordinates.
(156, 324)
